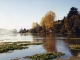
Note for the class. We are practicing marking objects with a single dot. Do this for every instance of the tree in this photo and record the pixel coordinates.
(76, 27)
(47, 21)
(73, 11)
(36, 27)
(21, 30)
(72, 21)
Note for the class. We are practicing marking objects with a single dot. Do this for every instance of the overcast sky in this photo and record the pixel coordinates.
(16, 14)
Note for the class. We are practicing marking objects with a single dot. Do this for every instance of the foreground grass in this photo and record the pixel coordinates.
(7, 46)
(44, 56)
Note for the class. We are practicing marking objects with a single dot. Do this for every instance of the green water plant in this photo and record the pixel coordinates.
(8, 46)
(44, 56)
(15, 59)
(70, 58)
(74, 47)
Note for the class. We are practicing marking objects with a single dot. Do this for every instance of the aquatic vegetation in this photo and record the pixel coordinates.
(15, 59)
(71, 58)
(74, 47)
(7, 46)
(75, 38)
(36, 43)
(45, 56)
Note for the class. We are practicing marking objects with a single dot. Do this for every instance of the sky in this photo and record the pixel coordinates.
(17, 14)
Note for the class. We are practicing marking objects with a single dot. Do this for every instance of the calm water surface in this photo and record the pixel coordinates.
(51, 43)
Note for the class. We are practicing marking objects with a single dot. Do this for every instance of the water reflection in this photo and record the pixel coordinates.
(61, 46)
(75, 42)
(75, 52)
(49, 43)
(52, 43)
(16, 37)
(36, 38)
(24, 34)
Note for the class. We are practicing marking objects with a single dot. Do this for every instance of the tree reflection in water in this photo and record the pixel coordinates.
(75, 42)
(49, 43)
(52, 43)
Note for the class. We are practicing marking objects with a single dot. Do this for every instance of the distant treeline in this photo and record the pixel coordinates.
(70, 24)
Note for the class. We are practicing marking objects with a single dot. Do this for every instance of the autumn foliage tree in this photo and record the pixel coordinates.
(47, 22)
(69, 24)
(72, 21)
(36, 27)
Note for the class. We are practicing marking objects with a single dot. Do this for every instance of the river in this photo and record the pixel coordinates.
(51, 43)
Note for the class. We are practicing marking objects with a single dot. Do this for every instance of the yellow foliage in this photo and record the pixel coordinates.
(47, 21)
